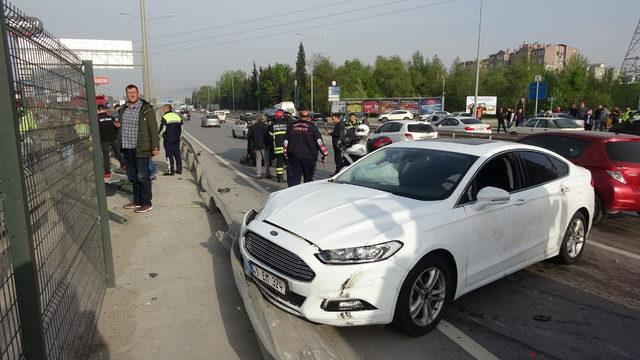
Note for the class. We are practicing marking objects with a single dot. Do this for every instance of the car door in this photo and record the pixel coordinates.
(393, 132)
(543, 125)
(543, 201)
(529, 127)
(492, 230)
(381, 131)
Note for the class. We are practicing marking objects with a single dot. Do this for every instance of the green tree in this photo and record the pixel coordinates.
(301, 76)
(356, 80)
(324, 72)
(393, 77)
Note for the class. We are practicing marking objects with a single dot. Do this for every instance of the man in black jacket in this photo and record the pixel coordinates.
(108, 137)
(501, 122)
(171, 130)
(258, 136)
(336, 135)
(301, 148)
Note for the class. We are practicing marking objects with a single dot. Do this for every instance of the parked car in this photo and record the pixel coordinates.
(435, 116)
(469, 125)
(399, 234)
(404, 130)
(461, 114)
(185, 114)
(396, 115)
(318, 116)
(614, 162)
(248, 116)
(222, 115)
(210, 120)
(240, 129)
(545, 124)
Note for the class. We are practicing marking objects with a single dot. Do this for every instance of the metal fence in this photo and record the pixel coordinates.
(54, 242)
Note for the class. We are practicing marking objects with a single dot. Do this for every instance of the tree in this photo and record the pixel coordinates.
(301, 75)
(323, 75)
(392, 77)
(356, 80)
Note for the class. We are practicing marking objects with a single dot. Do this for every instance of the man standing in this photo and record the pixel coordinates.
(138, 139)
(596, 118)
(278, 131)
(257, 136)
(336, 134)
(171, 130)
(108, 137)
(500, 117)
(301, 147)
(603, 118)
(520, 117)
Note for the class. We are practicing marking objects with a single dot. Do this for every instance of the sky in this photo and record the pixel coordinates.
(264, 31)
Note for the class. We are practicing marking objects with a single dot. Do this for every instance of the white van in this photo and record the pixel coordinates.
(287, 106)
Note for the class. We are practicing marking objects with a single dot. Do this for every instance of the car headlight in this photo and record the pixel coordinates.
(361, 254)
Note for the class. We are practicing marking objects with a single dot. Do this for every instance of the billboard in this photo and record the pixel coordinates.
(338, 107)
(429, 105)
(354, 106)
(490, 103)
(101, 80)
(388, 106)
(410, 105)
(105, 54)
(370, 107)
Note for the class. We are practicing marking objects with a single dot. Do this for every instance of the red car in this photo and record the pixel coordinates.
(614, 162)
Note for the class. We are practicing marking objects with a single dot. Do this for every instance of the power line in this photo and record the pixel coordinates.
(349, 21)
(280, 25)
(278, 15)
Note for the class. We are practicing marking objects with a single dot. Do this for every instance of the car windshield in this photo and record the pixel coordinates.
(422, 174)
(210, 116)
(420, 128)
(566, 124)
(470, 121)
(623, 151)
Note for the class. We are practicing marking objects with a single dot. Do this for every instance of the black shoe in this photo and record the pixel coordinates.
(167, 173)
(179, 172)
(279, 178)
(268, 176)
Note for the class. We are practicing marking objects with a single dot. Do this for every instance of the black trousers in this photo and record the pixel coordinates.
(172, 150)
(138, 174)
(337, 157)
(298, 168)
(504, 126)
(107, 148)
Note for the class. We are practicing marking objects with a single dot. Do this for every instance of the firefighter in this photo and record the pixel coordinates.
(278, 132)
(301, 148)
(171, 130)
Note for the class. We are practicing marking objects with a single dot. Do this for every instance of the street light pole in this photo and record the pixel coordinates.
(146, 81)
(475, 97)
(233, 92)
(444, 78)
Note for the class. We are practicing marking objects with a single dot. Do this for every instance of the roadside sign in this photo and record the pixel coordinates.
(334, 93)
(339, 107)
(101, 80)
(539, 88)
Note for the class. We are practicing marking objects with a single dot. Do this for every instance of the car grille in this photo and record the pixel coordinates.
(277, 258)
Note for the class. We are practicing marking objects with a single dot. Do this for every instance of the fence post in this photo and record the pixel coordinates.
(17, 209)
(99, 175)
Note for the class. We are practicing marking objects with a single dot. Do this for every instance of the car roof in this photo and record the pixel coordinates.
(405, 122)
(589, 135)
(476, 147)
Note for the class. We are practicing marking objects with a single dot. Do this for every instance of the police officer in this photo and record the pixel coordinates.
(352, 122)
(171, 130)
(336, 135)
(301, 147)
(278, 132)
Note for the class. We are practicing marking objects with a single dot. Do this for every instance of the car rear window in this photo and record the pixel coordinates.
(623, 151)
(471, 121)
(420, 128)
(569, 147)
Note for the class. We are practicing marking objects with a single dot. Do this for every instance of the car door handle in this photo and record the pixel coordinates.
(565, 189)
(520, 202)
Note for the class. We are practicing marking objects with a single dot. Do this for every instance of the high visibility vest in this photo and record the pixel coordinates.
(171, 117)
(27, 123)
(626, 115)
(348, 124)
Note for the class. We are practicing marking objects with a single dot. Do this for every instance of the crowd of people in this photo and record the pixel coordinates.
(599, 118)
(130, 133)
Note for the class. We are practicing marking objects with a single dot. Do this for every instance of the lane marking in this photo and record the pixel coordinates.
(465, 342)
(231, 166)
(614, 250)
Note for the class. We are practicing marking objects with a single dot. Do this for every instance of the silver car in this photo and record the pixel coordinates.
(210, 120)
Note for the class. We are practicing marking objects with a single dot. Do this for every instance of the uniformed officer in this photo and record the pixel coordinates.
(171, 130)
(278, 131)
(301, 147)
(352, 122)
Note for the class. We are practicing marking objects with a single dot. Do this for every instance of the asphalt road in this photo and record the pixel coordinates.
(590, 310)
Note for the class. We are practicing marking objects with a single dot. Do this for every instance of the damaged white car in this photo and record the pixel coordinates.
(407, 229)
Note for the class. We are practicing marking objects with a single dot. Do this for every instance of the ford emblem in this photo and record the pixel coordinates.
(274, 233)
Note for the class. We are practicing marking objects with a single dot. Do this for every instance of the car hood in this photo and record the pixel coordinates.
(332, 215)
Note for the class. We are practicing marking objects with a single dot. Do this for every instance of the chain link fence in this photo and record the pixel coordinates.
(55, 225)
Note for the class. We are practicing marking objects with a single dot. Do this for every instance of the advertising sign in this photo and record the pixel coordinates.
(429, 105)
(354, 106)
(370, 107)
(387, 106)
(339, 107)
(410, 105)
(334, 93)
(101, 80)
(490, 103)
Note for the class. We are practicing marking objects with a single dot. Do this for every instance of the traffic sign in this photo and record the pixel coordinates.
(339, 107)
(334, 93)
(539, 88)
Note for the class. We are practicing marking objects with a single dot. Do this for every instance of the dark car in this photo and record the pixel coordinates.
(612, 159)
(628, 127)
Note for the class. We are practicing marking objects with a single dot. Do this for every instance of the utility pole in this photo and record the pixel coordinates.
(146, 81)
(444, 79)
(475, 97)
(233, 92)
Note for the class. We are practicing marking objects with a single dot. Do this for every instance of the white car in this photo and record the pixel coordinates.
(396, 115)
(543, 124)
(464, 124)
(435, 116)
(222, 114)
(240, 129)
(210, 120)
(404, 130)
(412, 226)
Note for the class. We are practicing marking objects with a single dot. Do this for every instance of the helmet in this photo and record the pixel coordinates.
(362, 131)
(279, 114)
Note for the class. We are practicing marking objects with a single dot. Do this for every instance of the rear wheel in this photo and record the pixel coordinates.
(574, 240)
(599, 212)
(244, 134)
(384, 119)
(406, 118)
(233, 134)
(423, 297)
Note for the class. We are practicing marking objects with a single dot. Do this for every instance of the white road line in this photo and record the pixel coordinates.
(614, 250)
(232, 167)
(466, 343)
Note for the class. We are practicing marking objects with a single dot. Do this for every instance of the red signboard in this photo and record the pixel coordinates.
(101, 80)
(370, 107)
(388, 106)
(410, 105)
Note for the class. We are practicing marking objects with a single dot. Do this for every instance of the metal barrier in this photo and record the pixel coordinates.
(55, 252)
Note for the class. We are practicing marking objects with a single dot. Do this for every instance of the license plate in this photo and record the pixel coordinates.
(269, 279)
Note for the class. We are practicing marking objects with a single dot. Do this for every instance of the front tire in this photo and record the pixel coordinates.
(423, 297)
(384, 120)
(574, 240)
(233, 134)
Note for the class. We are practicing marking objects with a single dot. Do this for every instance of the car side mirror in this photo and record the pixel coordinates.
(489, 196)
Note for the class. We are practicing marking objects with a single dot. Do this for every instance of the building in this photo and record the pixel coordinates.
(553, 57)
(599, 70)
(472, 64)
(498, 59)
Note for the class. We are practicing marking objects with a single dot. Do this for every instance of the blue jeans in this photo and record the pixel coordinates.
(138, 174)
(153, 168)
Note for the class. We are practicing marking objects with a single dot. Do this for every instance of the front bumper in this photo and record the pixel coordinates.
(376, 283)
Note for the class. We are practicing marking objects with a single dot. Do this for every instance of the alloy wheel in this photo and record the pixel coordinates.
(427, 296)
(576, 238)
